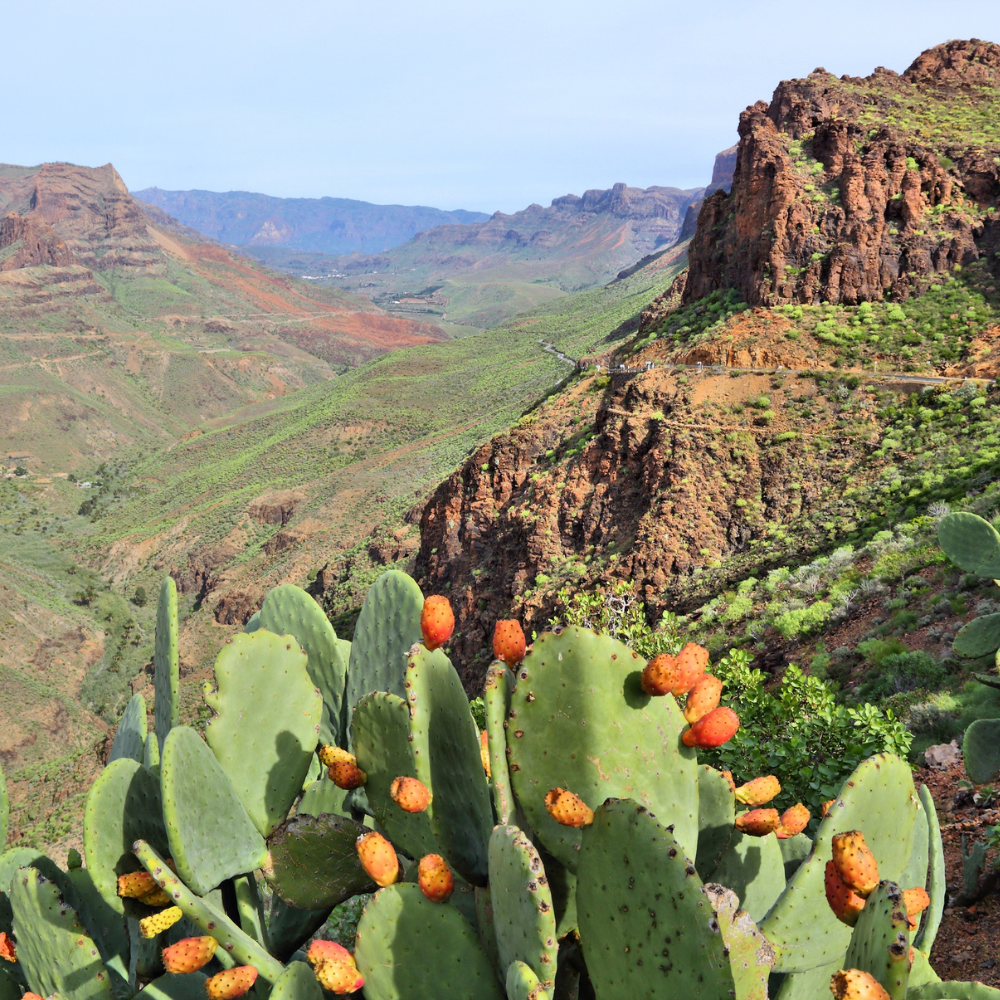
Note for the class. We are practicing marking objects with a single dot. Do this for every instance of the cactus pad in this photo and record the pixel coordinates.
(130, 739)
(970, 542)
(750, 955)
(322, 796)
(915, 872)
(288, 928)
(297, 982)
(523, 984)
(753, 868)
(953, 991)
(445, 743)
(267, 722)
(981, 750)
(645, 920)
(580, 720)
(716, 815)
(879, 800)
(523, 915)
(166, 672)
(54, 952)
(794, 850)
(409, 947)
(289, 610)
(499, 682)
(937, 888)
(880, 942)
(211, 836)
(189, 986)
(389, 624)
(312, 861)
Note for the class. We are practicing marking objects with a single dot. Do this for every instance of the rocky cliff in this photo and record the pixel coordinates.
(30, 243)
(852, 189)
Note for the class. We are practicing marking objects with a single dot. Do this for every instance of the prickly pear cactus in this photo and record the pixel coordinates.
(190, 986)
(523, 984)
(880, 942)
(750, 956)
(166, 672)
(936, 886)
(754, 869)
(981, 750)
(716, 816)
(267, 722)
(499, 682)
(971, 543)
(130, 739)
(289, 610)
(297, 982)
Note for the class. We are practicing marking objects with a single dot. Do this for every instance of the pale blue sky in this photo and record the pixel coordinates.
(479, 105)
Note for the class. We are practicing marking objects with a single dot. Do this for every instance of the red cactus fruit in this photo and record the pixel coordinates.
(758, 822)
(916, 901)
(855, 863)
(793, 821)
(339, 976)
(31, 996)
(230, 983)
(826, 807)
(728, 775)
(434, 878)
(854, 984)
(702, 698)
(378, 858)
(437, 621)
(346, 775)
(8, 951)
(712, 730)
(691, 662)
(327, 951)
(135, 885)
(845, 903)
(758, 791)
(567, 808)
(660, 676)
(189, 954)
(410, 794)
(484, 753)
(508, 642)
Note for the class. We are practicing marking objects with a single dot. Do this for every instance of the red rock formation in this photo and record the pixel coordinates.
(834, 184)
(29, 242)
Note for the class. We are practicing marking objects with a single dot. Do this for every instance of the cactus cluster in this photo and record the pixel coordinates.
(576, 849)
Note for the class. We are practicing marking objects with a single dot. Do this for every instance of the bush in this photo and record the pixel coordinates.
(801, 621)
(799, 733)
(139, 598)
(901, 672)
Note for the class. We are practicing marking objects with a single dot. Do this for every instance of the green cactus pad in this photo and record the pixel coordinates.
(446, 752)
(915, 872)
(811, 985)
(130, 739)
(288, 928)
(389, 624)
(322, 796)
(384, 751)
(981, 750)
(9, 990)
(267, 722)
(750, 956)
(794, 850)
(921, 972)
(189, 986)
(297, 982)
(937, 887)
(979, 637)
(523, 984)
(10, 862)
(166, 672)
(646, 924)
(524, 917)
(151, 753)
(499, 682)
(123, 805)
(253, 623)
(754, 869)
(249, 907)
(880, 943)
(312, 861)
(53, 949)
(580, 720)
(953, 991)
(409, 947)
(104, 925)
(211, 836)
(879, 800)
(970, 542)
(4, 810)
(716, 816)
(289, 610)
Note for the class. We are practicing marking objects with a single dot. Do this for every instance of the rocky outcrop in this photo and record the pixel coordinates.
(30, 242)
(844, 191)
(722, 180)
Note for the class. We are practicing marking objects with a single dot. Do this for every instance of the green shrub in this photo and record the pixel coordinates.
(802, 621)
(901, 672)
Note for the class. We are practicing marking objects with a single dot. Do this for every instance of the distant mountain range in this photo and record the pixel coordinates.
(327, 225)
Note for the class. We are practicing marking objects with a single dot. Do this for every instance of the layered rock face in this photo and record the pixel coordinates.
(27, 242)
(855, 189)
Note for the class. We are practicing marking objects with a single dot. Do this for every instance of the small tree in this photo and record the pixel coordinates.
(139, 598)
(87, 596)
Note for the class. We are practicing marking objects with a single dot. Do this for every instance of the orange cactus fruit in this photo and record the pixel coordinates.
(567, 808)
(230, 983)
(691, 663)
(339, 976)
(854, 984)
(758, 822)
(158, 897)
(330, 755)
(484, 753)
(855, 863)
(346, 775)
(793, 821)
(916, 901)
(712, 730)
(410, 794)
(728, 775)
(702, 698)
(160, 922)
(327, 951)
(378, 858)
(826, 807)
(508, 642)
(660, 676)
(8, 951)
(31, 996)
(189, 954)
(437, 621)
(434, 878)
(135, 885)
(758, 791)
(845, 903)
